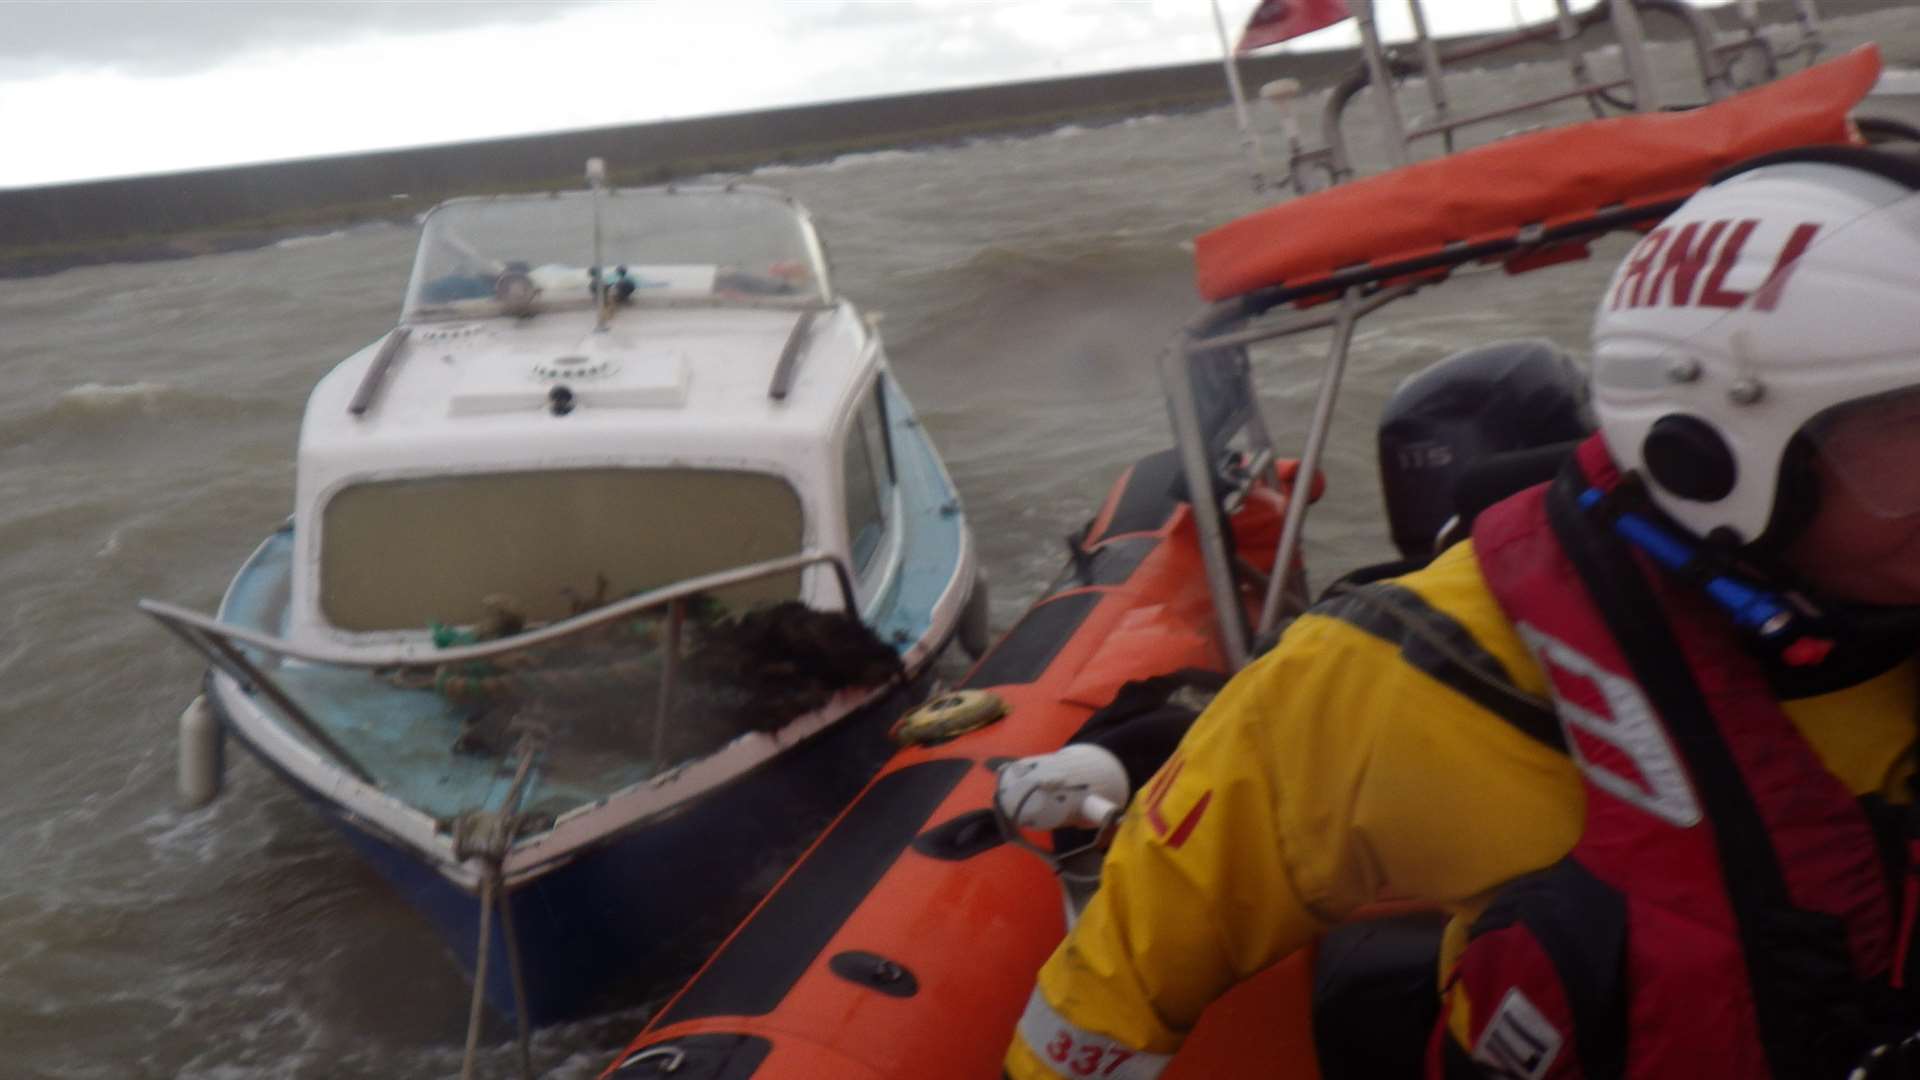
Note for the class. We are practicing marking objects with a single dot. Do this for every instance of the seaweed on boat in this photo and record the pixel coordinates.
(597, 697)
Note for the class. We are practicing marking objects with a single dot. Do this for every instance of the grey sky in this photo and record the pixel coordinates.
(161, 85)
(158, 37)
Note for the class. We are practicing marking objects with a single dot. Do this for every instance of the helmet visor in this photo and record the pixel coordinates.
(1872, 448)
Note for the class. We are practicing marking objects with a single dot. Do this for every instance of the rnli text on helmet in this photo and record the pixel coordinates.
(1687, 251)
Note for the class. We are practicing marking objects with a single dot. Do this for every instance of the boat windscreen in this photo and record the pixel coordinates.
(405, 554)
(523, 254)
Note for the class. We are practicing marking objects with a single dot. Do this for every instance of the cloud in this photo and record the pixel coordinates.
(139, 37)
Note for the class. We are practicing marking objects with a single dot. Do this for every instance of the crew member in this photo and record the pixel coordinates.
(1646, 738)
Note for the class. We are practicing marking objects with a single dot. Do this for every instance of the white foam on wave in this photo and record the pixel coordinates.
(182, 836)
(1066, 131)
(844, 161)
(307, 241)
(114, 397)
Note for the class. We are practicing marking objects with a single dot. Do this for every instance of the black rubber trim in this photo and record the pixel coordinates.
(754, 972)
(961, 838)
(1109, 564)
(1902, 168)
(1397, 615)
(1149, 499)
(1024, 653)
(697, 1057)
(1756, 886)
(875, 972)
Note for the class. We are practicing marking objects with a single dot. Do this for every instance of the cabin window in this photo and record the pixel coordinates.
(401, 554)
(869, 480)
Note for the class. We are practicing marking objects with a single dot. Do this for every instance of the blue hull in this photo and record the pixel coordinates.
(638, 912)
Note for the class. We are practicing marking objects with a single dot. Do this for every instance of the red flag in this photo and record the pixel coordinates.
(1275, 21)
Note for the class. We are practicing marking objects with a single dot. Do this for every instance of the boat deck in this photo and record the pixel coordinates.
(598, 742)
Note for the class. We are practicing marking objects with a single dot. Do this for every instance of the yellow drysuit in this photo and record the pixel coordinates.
(1337, 769)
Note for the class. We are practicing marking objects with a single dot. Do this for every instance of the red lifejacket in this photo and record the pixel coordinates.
(1726, 911)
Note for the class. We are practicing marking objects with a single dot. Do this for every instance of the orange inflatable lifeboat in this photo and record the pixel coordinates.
(904, 944)
(905, 941)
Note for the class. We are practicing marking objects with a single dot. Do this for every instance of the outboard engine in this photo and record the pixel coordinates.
(1455, 414)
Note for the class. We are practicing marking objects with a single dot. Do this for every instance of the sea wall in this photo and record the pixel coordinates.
(637, 153)
(60, 218)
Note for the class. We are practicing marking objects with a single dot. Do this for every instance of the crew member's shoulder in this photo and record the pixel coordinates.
(1453, 590)
(1441, 623)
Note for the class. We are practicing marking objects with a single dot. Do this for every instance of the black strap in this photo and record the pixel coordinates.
(1433, 642)
(1580, 922)
(1778, 940)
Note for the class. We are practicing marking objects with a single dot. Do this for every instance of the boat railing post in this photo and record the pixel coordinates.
(1569, 37)
(1332, 128)
(1379, 70)
(1633, 50)
(1715, 74)
(1317, 431)
(1249, 138)
(1747, 13)
(843, 577)
(669, 669)
(1436, 77)
(1808, 16)
(1281, 94)
(597, 182)
(1190, 441)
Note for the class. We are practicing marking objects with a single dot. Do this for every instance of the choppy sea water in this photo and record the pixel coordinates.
(146, 441)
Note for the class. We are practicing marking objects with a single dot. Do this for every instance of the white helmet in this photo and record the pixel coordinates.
(1785, 290)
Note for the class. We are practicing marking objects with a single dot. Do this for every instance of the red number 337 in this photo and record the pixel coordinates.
(1085, 1059)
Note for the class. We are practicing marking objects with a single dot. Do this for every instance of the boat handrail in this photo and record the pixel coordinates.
(219, 643)
(413, 654)
(789, 363)
(375, 378)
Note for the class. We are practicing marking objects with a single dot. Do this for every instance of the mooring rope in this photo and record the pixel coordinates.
(488, 836)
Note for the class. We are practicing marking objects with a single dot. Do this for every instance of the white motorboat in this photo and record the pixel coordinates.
(607, 571)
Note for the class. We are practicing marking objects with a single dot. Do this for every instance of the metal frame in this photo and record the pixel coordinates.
(1346, 296)
(1384, 65)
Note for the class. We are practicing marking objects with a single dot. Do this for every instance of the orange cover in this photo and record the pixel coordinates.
(1549, 178)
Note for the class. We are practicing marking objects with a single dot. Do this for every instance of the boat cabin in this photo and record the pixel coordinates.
(591, 395)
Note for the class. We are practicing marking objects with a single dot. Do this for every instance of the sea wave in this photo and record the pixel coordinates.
(91, 407)
(115, 398)
(857, 159)
(309, 240)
